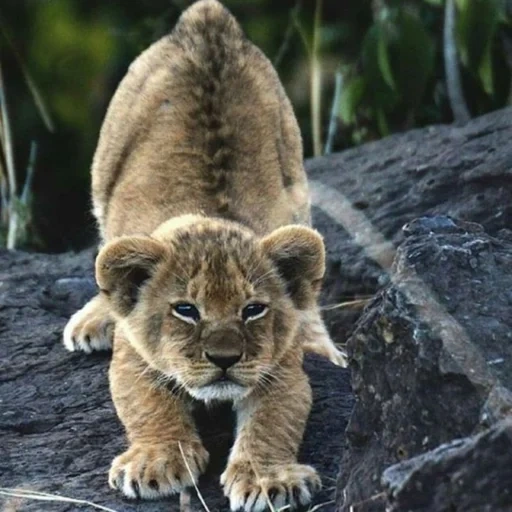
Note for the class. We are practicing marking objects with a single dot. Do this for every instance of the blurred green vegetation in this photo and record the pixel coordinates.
(62, 60)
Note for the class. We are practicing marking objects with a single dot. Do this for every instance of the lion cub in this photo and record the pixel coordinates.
(207, 290)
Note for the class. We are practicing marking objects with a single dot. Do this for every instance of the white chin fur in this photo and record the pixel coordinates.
(219, 391)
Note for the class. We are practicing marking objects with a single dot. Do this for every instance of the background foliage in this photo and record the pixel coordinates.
(62, 59)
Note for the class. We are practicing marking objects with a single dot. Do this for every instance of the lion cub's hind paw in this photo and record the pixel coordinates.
(288, 485)
(329, 350)
(338, 357)
(89, 329)
(155, 471)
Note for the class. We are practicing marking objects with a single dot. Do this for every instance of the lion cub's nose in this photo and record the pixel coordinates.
(223, 362)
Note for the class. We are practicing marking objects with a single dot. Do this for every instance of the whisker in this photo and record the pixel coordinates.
(251, 271)
(263, 277)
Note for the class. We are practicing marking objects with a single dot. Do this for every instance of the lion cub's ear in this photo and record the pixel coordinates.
(122, 267)
(299, 255)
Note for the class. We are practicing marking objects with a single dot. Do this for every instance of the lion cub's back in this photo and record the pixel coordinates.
(199, 123)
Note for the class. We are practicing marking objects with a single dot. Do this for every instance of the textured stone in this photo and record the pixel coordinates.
(365, 195)
(431, 355)
(466, 475)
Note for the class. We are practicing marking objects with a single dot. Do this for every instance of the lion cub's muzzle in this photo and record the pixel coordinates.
(223, 347)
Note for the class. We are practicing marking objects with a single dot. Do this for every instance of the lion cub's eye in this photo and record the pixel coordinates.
(186, 312)
(253, 311)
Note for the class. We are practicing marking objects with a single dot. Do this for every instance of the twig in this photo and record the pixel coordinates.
(451, 65)
(333, 122)
(285, 45)
(316, 83)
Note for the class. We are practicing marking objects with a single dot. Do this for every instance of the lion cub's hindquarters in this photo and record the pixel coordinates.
(200, 124)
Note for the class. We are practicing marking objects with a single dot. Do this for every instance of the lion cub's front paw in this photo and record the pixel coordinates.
(89, 329)
(286, 484)
(157, 470)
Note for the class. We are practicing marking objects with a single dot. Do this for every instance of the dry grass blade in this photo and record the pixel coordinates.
(288, 34)
(43, 496)
(376, 498)
(34, 90)
(333, 121)
(302, 32)
(6, 138)
(451, 65)
(25, 194)
(199, 495)
(8, 153)
(4, 198)
(316, 82)
(321, 505)
(313, 50)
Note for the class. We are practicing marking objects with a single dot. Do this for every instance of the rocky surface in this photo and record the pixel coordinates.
(444, 479)
(365, 195)
(58, 428)
(429, 363)
(431, 356)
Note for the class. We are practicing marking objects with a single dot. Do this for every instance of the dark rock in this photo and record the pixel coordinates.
(431, 355)
(467, 475)
(362, 197)
(58, 428)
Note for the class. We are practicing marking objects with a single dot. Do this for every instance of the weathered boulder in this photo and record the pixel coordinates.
(365, 195)
(58, 428)
(470, 475)
(431, 355)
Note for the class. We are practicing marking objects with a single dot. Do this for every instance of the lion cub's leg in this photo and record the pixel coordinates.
(157, 424)
(263, 462)
(90, 328)
(317, 340)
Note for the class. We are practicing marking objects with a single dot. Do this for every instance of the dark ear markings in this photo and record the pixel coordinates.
(135, 279)
(124, 266)
(287, 268)
(299, 256)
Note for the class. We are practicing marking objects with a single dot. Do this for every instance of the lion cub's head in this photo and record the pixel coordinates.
(208, 303)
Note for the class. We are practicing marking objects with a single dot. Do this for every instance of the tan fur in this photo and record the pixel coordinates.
(197, 177)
